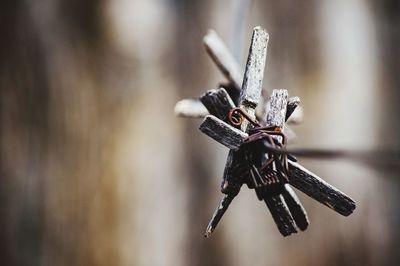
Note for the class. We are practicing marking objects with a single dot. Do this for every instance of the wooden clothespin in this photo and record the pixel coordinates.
(257, 146)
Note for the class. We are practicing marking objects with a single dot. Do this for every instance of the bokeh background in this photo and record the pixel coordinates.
(97, 170)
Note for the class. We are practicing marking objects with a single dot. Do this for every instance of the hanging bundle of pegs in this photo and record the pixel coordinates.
(258, 156)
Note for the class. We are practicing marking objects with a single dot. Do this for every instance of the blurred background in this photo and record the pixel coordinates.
(97, 170)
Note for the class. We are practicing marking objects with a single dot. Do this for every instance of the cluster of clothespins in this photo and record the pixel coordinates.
(258, 156)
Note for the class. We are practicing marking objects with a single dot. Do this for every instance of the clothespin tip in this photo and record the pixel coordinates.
(209, 231)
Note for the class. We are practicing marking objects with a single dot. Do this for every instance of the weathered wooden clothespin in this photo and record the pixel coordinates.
(258, 155)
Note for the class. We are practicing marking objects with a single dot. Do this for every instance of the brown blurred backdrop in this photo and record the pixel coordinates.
(97, 170)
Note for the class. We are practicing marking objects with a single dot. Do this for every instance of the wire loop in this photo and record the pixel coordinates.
(273, 143)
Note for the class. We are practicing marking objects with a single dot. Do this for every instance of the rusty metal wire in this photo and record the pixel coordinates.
(263, 142)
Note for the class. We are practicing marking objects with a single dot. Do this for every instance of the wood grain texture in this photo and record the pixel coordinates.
(249, 99)
(301, 178)
(218, 103)
(318, 189)
(280, 213)
(279, 209)
(277, 108)
(297, 210)
(254, 73)
(229, 135)
(222, 132)
(224, 60)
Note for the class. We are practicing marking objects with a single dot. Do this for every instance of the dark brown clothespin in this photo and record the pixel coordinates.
(258, 155)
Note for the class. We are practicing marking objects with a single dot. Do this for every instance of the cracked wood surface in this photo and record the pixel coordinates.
(312, 185)
(253, 76)
(286, 209)
(318, 189)
(292, 213)
(218, 103)
(249, 98)
(222, 132)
